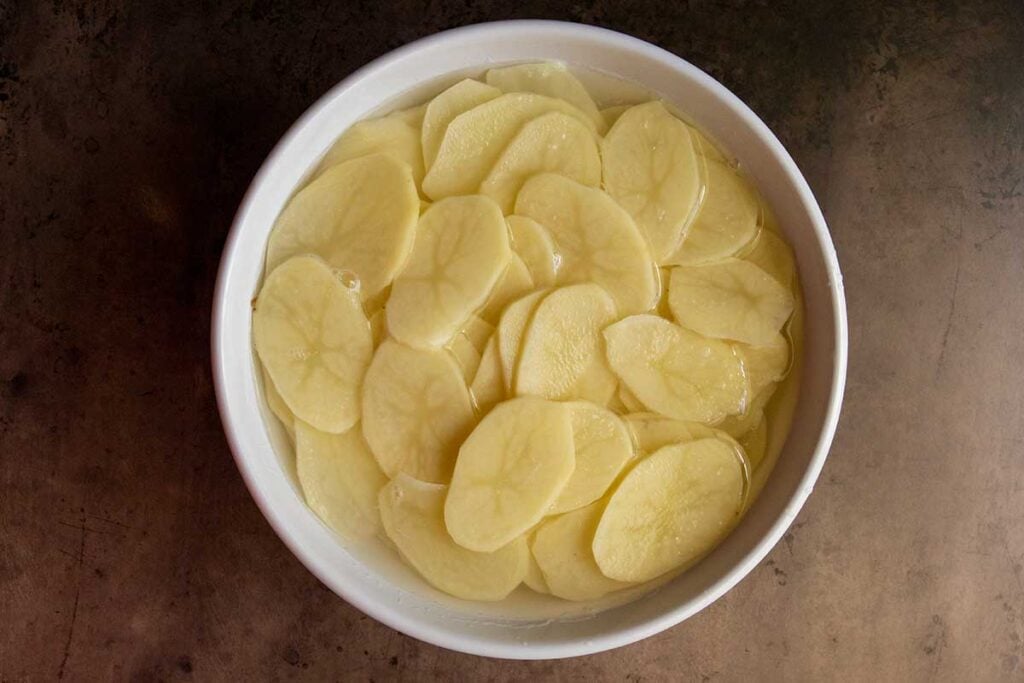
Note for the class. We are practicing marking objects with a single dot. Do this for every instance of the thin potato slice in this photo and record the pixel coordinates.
(596, 238)
(603, 447)
(488, 387)
(726, 222)
(532, 242)
(416, 411)
(461, 251)
(397, 135)
(314, 340)
(475, 139)
(534, 578)
(652, 432)
(477, 331)
(412, 513)
(629, 400)
(457, 99)
(562, 548)
(612, 114)
(547, 78)
(765, 364)
(514, 283)
(510, 469)
(676, 372)
(673, 507)
(651, 168)
(551, 143)
(465, 355)
(772, 255)
(706, 147)
(755, 443)
(563, 343)
(378, 327)
(511, 327)
(277, 405)
(740, 424)
(340, 479)
(359, 216)
(732, 299)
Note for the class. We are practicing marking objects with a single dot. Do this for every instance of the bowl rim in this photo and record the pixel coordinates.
(396, 618)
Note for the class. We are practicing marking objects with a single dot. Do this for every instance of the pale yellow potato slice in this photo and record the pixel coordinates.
(277, 405)
(673, 507)
(514, 283)
(563, 342)
(509, 471)
(397, 135)
(412, 513)
(440, 111)
(652, 169)
(359, 216)
(532, 242)
(676, 372)
(731, 299)
(378, 327)
(772, 255)
(477, 331)
(466, 355)
(413, 115)
(629, 400)
(416, 411)
(534, 578)
(597, 384)
(551, 143)
(511, 327)
(340, 479)
(603, 447)
(742, 423)
(596, 238)
(706, 147)
(547, 78)
(562, 548)
(652, 432)
(461, 250)
(726, 222)
(488, 387)
(476, 138)
(314, 340)
(765, 364)
(755, 442)
(612, 114)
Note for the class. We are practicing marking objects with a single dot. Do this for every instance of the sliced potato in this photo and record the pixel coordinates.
(629, 400)
(511, 327)
(652, 432)
(563, 342)
(673, 507)
(416, 411)
(477, 331)
(314, 340)
(476, 138)
(603, 447)
(466, 355)
(461, 251)
(532, 242)
(755, 442)
(740, 424)
(534, 578)
(676, 372)
(553, 142)
(514, 283)
(488, 387)
(277, 405)
(358, 216)
(731, 299)
(340, 479)
(597, 384)
(562, 548)
(726, 222)
(706, 147)
(612, 114)
(652, 169)
(547, 78)
(397, 135)
(412, 513)
(440, 111)
(765, 364)
(378, 327)
(510, 469)
(772, 255)
(597, 240)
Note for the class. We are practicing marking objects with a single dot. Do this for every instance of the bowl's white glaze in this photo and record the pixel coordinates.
(372, 578)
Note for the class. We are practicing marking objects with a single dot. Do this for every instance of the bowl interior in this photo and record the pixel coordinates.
(371, 577)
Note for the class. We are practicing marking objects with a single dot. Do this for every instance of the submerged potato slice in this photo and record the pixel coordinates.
(612, 114)
(277, 405)
(652, 432)
(596, 238)
(461, 251)
(514, 283)
(765, 364)
(532, 242)
(412, 513)
(553, 142)
(740, 424)
(511, 327)
(603, 447)
(340, 479)
(358, 216)
(562, 548)
(755, 443)
(706, 147)
(534, 578)
(674, 371)
(772, 255)
(510, 469)
(475, 139)
(651, 168)
(547, 78)
(397, 135)
(477, 331)
(416, 411)
(732, 299)
(488, 387)
(673, 507)
(563, 343)
(466, 355)
(726, 222)
(314, 340)
(457, 99)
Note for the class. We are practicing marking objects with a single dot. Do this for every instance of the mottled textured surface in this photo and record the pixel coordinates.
(129, 547)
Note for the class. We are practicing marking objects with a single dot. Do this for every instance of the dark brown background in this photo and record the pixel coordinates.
(129, 548)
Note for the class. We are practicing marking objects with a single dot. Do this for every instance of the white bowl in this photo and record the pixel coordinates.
(372, 578)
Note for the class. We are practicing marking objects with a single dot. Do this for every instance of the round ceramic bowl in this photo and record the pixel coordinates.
(371, 577)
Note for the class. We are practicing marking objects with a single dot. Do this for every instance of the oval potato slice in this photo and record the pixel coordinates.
(673, 507)
(676, 372)
(440, 111)
(358, 216)
(772, 255)
(532, 242)
(510, 469)
(514, 283)
(534, 578)
(652, 432)
(466, 355)
(766, 364)
(603, 447)
(511, 327)
(612, 114)
(416, 411)
(277, 405)
(755, 443)
(731, 299)
(412, 513)
(460, 252)
(596, 238)
(314, 340)
(340, 479)
(397, 135)
(547, 78)
(488, 387)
